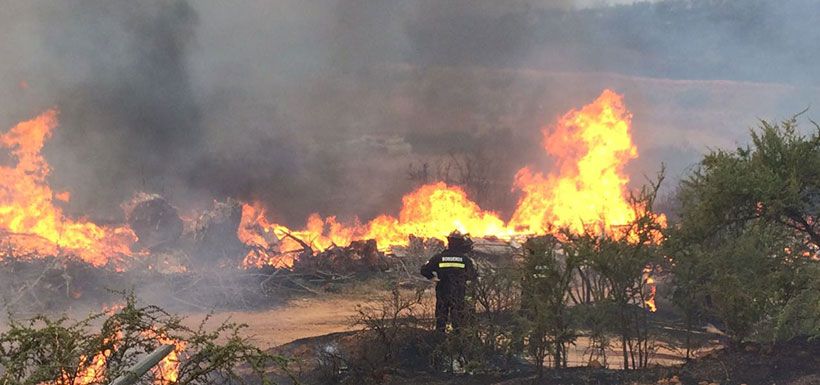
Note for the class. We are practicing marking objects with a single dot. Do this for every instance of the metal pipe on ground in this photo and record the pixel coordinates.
(139, 369)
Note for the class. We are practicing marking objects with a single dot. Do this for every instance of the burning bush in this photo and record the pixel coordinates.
(44, 350)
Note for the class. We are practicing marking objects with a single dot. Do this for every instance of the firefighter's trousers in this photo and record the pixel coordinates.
(450, 305)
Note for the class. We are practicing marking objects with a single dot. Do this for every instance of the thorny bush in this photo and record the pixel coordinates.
(59, 351)
(395, 336)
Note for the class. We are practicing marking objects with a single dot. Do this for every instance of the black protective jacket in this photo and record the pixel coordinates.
(453, 270)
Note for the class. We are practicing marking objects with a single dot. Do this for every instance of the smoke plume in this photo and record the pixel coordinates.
(323, 105)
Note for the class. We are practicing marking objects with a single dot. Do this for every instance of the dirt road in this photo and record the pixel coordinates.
(299, 318)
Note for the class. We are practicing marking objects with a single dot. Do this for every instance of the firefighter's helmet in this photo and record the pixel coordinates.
(458, 241)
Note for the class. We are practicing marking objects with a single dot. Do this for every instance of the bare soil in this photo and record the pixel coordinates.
(296, 319)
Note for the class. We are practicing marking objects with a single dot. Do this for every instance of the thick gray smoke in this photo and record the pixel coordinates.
(119, 75)
(322, 105)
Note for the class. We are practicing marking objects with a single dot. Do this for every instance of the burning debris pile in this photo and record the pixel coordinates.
(154, 221)
(215, 233)
(587, 191)
(359, 256)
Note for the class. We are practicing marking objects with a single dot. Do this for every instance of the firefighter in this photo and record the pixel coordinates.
(453, 268)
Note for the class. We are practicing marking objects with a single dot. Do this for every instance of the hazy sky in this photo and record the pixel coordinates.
(322, 105)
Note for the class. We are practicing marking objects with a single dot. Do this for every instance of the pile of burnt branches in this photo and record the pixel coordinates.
(34, 284)
(54, 284)
(31, 284)
(357, 258)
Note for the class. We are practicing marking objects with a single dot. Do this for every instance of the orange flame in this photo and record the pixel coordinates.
(29, 219)
(433, 211)
(591, 146)
(649, 282)
(88, 371)
(166, 372)
(587, 190)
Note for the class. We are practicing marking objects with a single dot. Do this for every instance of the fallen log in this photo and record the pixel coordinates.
(215, 233)
(153, 220)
